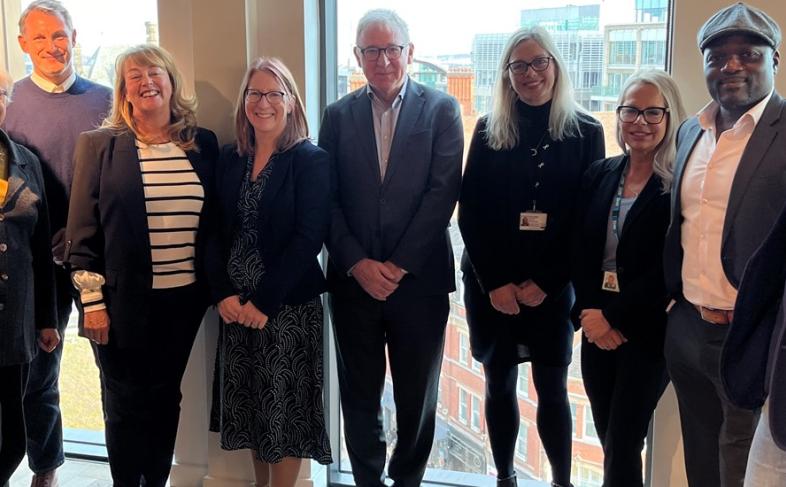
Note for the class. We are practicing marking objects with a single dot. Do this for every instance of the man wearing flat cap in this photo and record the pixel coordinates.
(730, 184)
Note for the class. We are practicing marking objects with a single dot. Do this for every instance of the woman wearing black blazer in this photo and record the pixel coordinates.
(273, 191)
(135, 241)
(618, 273)
(516, 215)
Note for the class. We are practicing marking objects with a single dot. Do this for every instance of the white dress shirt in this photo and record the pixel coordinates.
(50, 87)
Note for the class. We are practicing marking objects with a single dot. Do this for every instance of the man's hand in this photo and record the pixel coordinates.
(503, 299)
(611, 340)
(397, 272)
(375, 278)
(250, 316)
(48, 339)
(530, 294)
(58, 246)
(593, 324)
(96, 326)
(229, 308)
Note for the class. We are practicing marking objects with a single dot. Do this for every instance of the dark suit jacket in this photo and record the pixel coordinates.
(107, 228)
(753, 359)
(293, 224)
(404, 218)
(757, 195)
(27, 300)
(638, 310)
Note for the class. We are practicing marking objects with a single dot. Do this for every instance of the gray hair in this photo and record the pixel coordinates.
(502, 132)
(385, 17)
(666, 152)
(51, 7)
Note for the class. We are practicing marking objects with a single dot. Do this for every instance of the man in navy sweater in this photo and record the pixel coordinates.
(50, 108)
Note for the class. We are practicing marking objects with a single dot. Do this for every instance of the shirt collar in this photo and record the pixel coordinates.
(707, 114)
(399, 98)
(50, 87)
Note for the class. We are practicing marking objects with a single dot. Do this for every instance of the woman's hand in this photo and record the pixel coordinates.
(593, 324)
(48, 339)
(96, 326)
(503, 299)
(530, 294)
(229, 308)
(611, 340)
(249, 316)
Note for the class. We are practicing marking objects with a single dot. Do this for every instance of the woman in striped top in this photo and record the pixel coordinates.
(134, 240)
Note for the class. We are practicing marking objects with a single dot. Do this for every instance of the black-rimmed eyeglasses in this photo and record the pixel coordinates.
(372, 53)
(653, 115)
(272, 97)
(538, 64)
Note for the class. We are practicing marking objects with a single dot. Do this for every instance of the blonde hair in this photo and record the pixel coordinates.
(296, 129)
(502, 128)
(666, 152)
(182, 109)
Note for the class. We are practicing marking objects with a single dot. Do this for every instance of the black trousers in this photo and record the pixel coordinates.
(716, 434)
(142, 390)
(623, 386)
(12, 419)
(414, 330)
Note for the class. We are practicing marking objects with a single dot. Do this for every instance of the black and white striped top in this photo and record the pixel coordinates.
(173, 197)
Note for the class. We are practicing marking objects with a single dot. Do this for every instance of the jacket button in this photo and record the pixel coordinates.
(4, 276)
(3, 247)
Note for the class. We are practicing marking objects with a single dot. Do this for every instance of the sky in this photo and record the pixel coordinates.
(447, 27)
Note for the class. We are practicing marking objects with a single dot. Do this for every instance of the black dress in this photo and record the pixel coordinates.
(498, 186)
(267, 392)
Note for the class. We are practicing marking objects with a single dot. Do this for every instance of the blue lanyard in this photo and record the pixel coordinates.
(615, 210)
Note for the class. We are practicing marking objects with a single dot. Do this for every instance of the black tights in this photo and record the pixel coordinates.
(12, 421)
(553, 418)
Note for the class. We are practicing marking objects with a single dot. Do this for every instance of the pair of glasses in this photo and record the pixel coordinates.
(538, 64)
(272, 97)
(372, 53)
(653, 115)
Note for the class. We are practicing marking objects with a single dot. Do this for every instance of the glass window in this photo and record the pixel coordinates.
(522, 441)
(589, 424)
(476, 406)
(603, 44)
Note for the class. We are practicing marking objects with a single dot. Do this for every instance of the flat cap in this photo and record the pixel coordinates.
(740, 18)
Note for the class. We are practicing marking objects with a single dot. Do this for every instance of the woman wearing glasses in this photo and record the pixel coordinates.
(273, 188)
(624, 213)
(516, 214)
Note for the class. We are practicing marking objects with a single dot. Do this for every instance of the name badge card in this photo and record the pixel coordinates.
(610, 282)
(533, 220)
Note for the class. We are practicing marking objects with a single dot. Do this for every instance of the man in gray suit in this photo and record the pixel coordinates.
(395, 150)
(729, 187)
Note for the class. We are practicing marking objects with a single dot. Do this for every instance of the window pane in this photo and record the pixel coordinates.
(457, 49)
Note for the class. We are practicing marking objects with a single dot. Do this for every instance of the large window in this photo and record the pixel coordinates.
(457, 49)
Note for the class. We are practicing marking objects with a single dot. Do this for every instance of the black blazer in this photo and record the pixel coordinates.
(107, 228)
(293, 225)
(639, 309)
(753, 359)
(496, 251)
(404, 217)
(757, 195)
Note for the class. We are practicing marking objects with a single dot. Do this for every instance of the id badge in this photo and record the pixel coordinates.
(610, 282)
(533, 220)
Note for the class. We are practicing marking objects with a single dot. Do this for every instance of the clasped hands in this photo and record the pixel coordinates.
(378, 279)
(247, 314)
(506, 299)
(598, 330)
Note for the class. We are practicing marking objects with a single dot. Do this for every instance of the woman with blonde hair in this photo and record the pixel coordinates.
(136, 236)
(623, 217)
(273, 189)
(516, 212)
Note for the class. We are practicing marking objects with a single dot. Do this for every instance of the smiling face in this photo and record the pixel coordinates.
(268, 119)
(384, 75)
(48, 41)
(739, 71)
(533, 88)
(639, 135)
(147, 88)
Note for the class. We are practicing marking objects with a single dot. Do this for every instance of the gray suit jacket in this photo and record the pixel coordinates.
(27, 300)
(403, 218)
(758, 193)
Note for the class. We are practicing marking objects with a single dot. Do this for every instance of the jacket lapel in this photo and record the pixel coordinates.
(281, 164)
(411, 107)
(650, 191)
(752, 157)
(364, 125)
(125, 164)
(693, 132)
